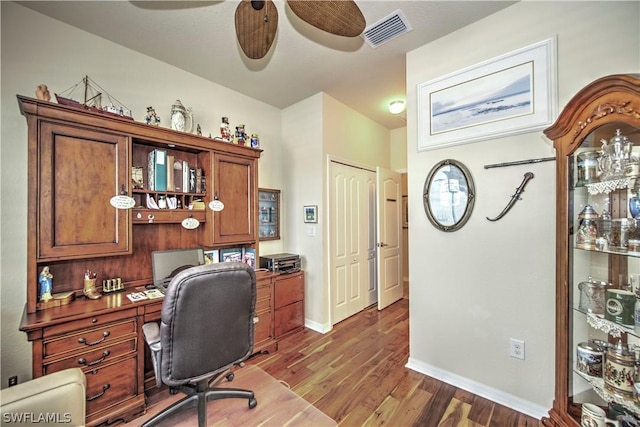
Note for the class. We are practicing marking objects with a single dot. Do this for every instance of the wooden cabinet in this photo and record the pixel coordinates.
(105, 347)
(590, 248)
(288, 304)
(268, 214)
(263, 339)
(234, 184)
(78, 170)
(78, 161)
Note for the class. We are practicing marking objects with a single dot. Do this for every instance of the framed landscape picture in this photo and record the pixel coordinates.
(508, 95)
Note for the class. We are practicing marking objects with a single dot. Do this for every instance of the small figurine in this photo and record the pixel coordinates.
(152, 118)
(42, 93)
(46, 285)
(225, 130)
(199, 130)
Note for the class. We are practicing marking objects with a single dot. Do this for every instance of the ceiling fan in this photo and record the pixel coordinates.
(257, 21)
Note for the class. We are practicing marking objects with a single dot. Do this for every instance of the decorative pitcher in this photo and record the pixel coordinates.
(180, 116)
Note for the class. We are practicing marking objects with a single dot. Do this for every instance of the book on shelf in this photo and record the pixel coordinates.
(157, 170)
(231, 255)
(177, 175)
(249, 257)
(192, 180)
(212, 256)
(185, 176)
(170, 172)
(198, 188)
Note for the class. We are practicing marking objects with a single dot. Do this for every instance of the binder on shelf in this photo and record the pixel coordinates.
(170, 172)
(177, 176)
(192, 180)
(158, 170)
(185, 176)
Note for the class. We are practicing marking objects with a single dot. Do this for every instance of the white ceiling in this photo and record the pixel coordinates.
(199, 37)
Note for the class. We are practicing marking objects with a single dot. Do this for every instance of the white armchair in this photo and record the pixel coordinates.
(57, 399)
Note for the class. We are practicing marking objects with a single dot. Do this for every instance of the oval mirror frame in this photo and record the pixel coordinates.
(448, 195)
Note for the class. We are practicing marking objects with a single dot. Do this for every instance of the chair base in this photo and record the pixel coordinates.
(201, 394)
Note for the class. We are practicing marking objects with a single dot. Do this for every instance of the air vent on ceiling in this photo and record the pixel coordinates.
(386, 29)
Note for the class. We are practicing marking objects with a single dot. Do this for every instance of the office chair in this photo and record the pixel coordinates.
(206, 327)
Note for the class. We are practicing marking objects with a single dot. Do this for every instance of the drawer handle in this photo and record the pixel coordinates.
(83, 361)
(104, 390)
(83, 340)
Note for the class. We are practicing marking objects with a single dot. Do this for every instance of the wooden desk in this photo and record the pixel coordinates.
(104, 337)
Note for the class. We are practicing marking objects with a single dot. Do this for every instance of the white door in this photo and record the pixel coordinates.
(388, 213)
(371, 296)
(348, 250)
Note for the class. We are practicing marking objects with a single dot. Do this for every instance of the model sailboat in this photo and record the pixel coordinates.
(92, 99)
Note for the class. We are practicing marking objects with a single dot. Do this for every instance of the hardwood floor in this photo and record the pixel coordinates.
(356, 375)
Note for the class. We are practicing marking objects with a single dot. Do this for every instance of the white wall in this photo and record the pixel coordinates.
(314, 130)
(473, 289)
(37, 49)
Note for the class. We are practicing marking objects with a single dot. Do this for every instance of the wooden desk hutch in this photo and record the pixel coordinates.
(77, 161)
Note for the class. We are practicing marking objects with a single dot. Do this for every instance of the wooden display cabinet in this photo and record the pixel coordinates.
(268, 214)
(597, 112)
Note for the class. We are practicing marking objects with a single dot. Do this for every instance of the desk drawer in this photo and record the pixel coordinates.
(89, 338)
(94, 358)
(289, 290)
(110, 385)
(289, 318)
(88, 322)
(262, 329)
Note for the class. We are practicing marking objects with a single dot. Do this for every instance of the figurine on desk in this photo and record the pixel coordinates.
(46, 285)
(90, 285)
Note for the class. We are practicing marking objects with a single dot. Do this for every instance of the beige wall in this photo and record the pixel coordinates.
(37, 49)
(314, 130)
(473, 289)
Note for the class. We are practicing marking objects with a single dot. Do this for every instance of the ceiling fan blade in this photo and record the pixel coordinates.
(339, 17)
(256, 26)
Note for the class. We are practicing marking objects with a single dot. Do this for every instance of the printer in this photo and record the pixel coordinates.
(281, 263)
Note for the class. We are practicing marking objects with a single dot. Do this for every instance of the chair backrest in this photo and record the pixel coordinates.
(207, 321)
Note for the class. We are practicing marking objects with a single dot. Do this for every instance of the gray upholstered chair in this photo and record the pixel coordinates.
(206, 327)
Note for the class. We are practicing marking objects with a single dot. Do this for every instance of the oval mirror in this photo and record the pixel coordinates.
(448, 195)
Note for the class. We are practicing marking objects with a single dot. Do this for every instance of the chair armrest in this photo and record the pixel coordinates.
(151, 333)
(61, 394)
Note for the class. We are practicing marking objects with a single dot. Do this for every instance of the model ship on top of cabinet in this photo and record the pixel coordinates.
(92, 99)
(597, 142)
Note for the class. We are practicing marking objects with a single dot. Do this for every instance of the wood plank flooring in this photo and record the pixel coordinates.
(356, 375)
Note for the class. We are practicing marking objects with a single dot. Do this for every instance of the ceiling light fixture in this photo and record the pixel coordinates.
(396, 107)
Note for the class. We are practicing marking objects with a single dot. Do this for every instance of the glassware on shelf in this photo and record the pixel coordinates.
(587, 167)
(587, 230)
(615, 155)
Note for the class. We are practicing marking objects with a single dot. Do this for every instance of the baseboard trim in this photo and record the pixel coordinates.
(318, 327)
(482, 390)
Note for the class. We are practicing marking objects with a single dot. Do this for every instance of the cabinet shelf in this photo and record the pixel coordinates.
(268, 214)
(598, 386)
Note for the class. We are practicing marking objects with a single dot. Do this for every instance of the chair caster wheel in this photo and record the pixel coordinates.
(253, 403)
(230, 376)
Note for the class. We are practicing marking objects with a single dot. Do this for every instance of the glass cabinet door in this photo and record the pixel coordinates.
(604, 271)
(268, 214)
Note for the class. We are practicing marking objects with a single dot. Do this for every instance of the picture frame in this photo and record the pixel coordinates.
(311, 213)
(508, 95)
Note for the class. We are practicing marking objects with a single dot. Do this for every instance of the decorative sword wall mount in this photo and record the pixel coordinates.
(516, 196)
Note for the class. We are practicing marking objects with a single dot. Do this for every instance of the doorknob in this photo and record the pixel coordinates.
(382, 244)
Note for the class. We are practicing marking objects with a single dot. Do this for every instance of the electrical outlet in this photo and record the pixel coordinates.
(516, 348)
(13, 380)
